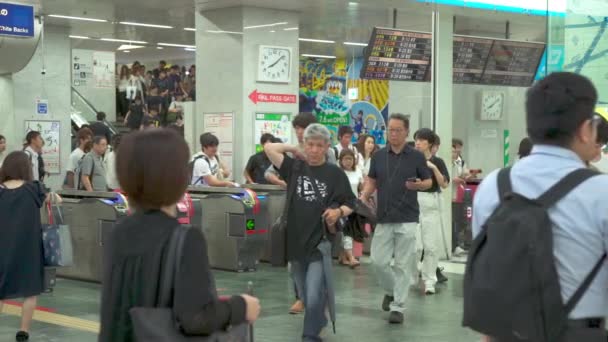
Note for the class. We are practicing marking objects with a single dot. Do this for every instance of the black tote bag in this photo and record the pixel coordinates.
(158, 324)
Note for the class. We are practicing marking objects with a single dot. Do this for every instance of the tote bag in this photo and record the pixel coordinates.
(56, 239)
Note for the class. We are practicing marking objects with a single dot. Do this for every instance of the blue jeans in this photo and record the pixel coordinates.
(310, 283)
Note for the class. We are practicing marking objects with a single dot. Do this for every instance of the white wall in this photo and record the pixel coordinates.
(29, 84)
(411, 98)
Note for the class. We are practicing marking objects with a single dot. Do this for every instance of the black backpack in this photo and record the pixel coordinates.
(511, 285)
(191, 167)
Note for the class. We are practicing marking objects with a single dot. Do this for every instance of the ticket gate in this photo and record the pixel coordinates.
(91, 216)
(276, 203)
(235, 223)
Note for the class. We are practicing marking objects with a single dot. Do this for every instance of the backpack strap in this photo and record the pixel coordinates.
(578, 294)
(504, 182)
(564, 186)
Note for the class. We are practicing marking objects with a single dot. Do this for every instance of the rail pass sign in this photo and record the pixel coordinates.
(16, 20)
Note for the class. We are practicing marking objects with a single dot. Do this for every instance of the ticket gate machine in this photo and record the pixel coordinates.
(235, 223)
(276, 203)
(91, 217)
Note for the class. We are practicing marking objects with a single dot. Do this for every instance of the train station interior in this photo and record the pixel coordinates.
(248, 67)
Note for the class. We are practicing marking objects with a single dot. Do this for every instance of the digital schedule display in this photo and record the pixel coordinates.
(512, 63)
(398, 55)
(470, 57)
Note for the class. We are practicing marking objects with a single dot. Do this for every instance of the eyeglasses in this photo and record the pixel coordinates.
(396, 130)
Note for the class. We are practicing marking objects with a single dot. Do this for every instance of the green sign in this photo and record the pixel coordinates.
(506, 148)
(250, 224)
(277, 124)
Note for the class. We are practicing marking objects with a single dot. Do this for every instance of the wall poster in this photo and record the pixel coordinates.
(51, 152)
(277, 124)
(222, 126)
(103, 69)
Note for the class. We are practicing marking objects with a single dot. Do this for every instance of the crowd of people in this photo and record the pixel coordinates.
(153, 97)
(325, 184)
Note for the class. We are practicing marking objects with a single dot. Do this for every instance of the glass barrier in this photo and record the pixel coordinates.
(83, 112)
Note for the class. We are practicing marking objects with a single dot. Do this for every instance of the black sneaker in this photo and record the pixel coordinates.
(395, 318)
(386, 302)
(22, 336)
(440, 277)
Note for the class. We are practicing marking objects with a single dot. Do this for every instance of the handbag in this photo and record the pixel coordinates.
(158, 324)
(56, 238)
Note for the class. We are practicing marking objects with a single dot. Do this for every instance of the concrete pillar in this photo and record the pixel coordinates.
(228, 42)
(7, 111)
(442, 103)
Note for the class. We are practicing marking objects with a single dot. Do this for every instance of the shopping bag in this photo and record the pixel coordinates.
(56, 239)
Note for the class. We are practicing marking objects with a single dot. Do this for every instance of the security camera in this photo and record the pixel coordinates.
(43, 72)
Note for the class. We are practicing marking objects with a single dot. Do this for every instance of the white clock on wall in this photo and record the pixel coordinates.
(492, 105)
(274, 64)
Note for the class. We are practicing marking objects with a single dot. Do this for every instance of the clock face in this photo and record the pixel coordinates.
(492, 106)
(274, 64)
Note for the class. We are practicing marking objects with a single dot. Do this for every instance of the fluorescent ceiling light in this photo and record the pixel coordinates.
(178, 45)
(222, 31)
(189, 49)
(273, 31)
(290, 29)
(353, 4)
(123, 41)
(316, 40)
(355, 44)
(145, 25)
(159, 47)
(77, 18)
(318, 56)
(80, 37)
(129, 47)
(265, 25)
(189, 29)
(127, 51)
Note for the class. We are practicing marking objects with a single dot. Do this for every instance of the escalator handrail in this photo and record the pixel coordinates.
(91, 107)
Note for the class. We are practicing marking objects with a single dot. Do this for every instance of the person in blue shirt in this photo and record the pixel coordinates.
(563, 129)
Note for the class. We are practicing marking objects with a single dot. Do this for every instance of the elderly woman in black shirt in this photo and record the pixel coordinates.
(136, 249)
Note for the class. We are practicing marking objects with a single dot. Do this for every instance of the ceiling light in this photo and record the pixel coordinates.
(265, 25)
(353, 4)
(129, 47)
(318, 56)
(178, 45)
(273, 31)
(221, 31)
(190, 49)
(122, 41)
(145, 25)
(77, 18)
(316, 40)
(127, 51)
(159, 47)
(79, 37)
(290, 29)
(355, 44)
(189, 29)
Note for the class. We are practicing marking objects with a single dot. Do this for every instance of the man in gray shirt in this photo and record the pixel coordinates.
(92, 170)
(562, 125)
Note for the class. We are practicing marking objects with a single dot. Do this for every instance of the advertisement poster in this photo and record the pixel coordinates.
(277, 124)
(50, 131)
(103, 69)
(324, 91)
(222, 126)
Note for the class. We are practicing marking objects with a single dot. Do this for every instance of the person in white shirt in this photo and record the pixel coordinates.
(33, 148)
(346, 161)
(110, 163)
(85, 142)
(345, 136)
(366, 147)
(122, 82)
(460, 174)
(2, 149)
(206, 168)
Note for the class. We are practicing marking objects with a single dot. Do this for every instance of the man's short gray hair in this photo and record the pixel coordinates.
(317, 131)
(401, 117)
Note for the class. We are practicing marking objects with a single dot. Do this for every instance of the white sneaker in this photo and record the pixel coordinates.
(429, 290)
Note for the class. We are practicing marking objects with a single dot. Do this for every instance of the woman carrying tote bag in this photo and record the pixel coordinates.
(21, 253)
(139, 246)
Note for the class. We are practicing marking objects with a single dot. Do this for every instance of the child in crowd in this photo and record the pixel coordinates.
(348, 163)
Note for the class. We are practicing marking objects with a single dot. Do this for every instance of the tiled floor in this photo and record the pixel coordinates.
(428, 319)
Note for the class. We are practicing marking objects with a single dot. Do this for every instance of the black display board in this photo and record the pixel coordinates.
(512, 63)
(470, 57)
(398, 55)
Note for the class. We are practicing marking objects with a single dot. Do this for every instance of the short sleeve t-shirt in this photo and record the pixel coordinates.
(444, 171)
(155, 103)
(74, 160)
(204, 166)
(304, 225)
(354, 178)
(93, 166)
(257, 166)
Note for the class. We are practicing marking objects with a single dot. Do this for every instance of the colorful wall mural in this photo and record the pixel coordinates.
(324, 91)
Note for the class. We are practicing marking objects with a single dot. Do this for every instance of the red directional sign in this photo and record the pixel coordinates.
(273, 98)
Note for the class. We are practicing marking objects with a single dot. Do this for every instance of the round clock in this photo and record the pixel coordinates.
(492, 104)
(274, 64)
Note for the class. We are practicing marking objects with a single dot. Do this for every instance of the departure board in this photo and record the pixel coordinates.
(512, 63)
(470, 57)
(398, 55)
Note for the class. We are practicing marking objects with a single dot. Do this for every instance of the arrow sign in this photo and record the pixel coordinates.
(256, 97)
(250, 224)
